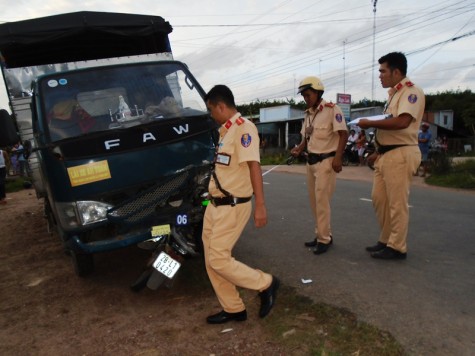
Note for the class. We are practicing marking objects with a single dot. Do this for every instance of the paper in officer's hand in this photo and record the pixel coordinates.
(371, 118)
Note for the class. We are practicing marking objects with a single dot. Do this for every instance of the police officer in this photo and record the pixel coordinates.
(324, 135)
(397, 156)
(237, 176)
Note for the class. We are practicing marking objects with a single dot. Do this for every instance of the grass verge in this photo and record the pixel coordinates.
(459, 175)
(17, 183)
(304, 327)
(301, 326)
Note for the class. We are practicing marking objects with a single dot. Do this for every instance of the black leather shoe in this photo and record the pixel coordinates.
(312, 243)
(322, 248)
(223, 317)
(378, 247)
(389, 253)
(268, 297)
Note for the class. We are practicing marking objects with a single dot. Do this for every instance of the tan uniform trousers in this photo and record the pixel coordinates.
(221, 229)
(321, 182)
(392, 180)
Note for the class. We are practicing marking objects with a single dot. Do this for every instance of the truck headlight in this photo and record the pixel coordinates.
(92, 211)
(75, 214)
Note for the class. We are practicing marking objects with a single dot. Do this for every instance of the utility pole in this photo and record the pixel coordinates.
(374, 36)
(344, 69)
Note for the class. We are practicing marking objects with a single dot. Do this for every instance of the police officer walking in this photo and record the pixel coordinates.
(324, 135)
(397, 156)
(237, 176)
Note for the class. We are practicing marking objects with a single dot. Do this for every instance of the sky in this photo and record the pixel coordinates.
(262, 49)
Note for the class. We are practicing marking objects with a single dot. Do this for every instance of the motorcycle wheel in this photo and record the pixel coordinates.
(290, 160)
(345, 160)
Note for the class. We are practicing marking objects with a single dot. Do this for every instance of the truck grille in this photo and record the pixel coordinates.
(144, 205)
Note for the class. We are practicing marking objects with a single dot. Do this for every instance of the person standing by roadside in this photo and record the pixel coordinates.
(324, 135)
(424, 138)
(236, 177)
(3, 175)
(397, 156)
(361, 145)
(15, 166)
(22, 162)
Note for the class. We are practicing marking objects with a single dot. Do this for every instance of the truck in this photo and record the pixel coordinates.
(119, 142)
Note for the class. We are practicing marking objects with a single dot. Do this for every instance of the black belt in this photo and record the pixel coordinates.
(318, 157)
(228, 201)
(383, 149)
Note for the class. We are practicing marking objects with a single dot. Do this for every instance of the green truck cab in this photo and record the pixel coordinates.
(121, 141)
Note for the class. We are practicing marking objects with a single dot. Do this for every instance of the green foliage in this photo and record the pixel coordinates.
(252, 109)
(440, 163)
(274, 159)
(366, 103)
(468, 116)
(461, 102)
(460, 175)
(16, 184)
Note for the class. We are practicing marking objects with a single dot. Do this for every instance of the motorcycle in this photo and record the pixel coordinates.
(370, 148)
(169, 250)
(302, 158)
(171, 244)
(350, 154)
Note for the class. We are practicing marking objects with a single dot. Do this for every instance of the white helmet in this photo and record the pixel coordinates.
(311, 82)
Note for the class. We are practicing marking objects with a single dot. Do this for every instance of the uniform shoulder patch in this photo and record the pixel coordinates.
(246, 140)
(338, 118)
(239, 121)
(329, 105)
(412, 98)
(409, 84)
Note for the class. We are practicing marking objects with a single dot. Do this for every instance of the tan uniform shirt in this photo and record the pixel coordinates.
(407, 99)
(326, 120)
(238, 144)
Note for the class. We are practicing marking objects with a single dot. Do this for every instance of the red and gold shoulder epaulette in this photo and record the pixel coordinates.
(329, 105)
(409, 84)
(398, 87)
(239, 121)
(228, 124)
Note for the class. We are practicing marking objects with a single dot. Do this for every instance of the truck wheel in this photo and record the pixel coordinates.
(83, 263)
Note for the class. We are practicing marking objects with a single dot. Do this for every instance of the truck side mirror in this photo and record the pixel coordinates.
(8, 132)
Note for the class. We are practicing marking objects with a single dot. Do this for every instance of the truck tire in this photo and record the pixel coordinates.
(83, 263)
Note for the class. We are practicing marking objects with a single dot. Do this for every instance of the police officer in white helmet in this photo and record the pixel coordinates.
(324, 135)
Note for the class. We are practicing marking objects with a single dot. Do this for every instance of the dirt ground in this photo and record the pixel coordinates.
(46, 310)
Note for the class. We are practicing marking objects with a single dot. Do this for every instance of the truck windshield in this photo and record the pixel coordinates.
(109, 98)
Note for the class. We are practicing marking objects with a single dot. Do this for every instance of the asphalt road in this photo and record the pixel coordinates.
(427, 301)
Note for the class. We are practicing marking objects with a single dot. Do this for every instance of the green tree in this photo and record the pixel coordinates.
(468, 116)
(458, 101)
(366, 103)
(252, 109)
